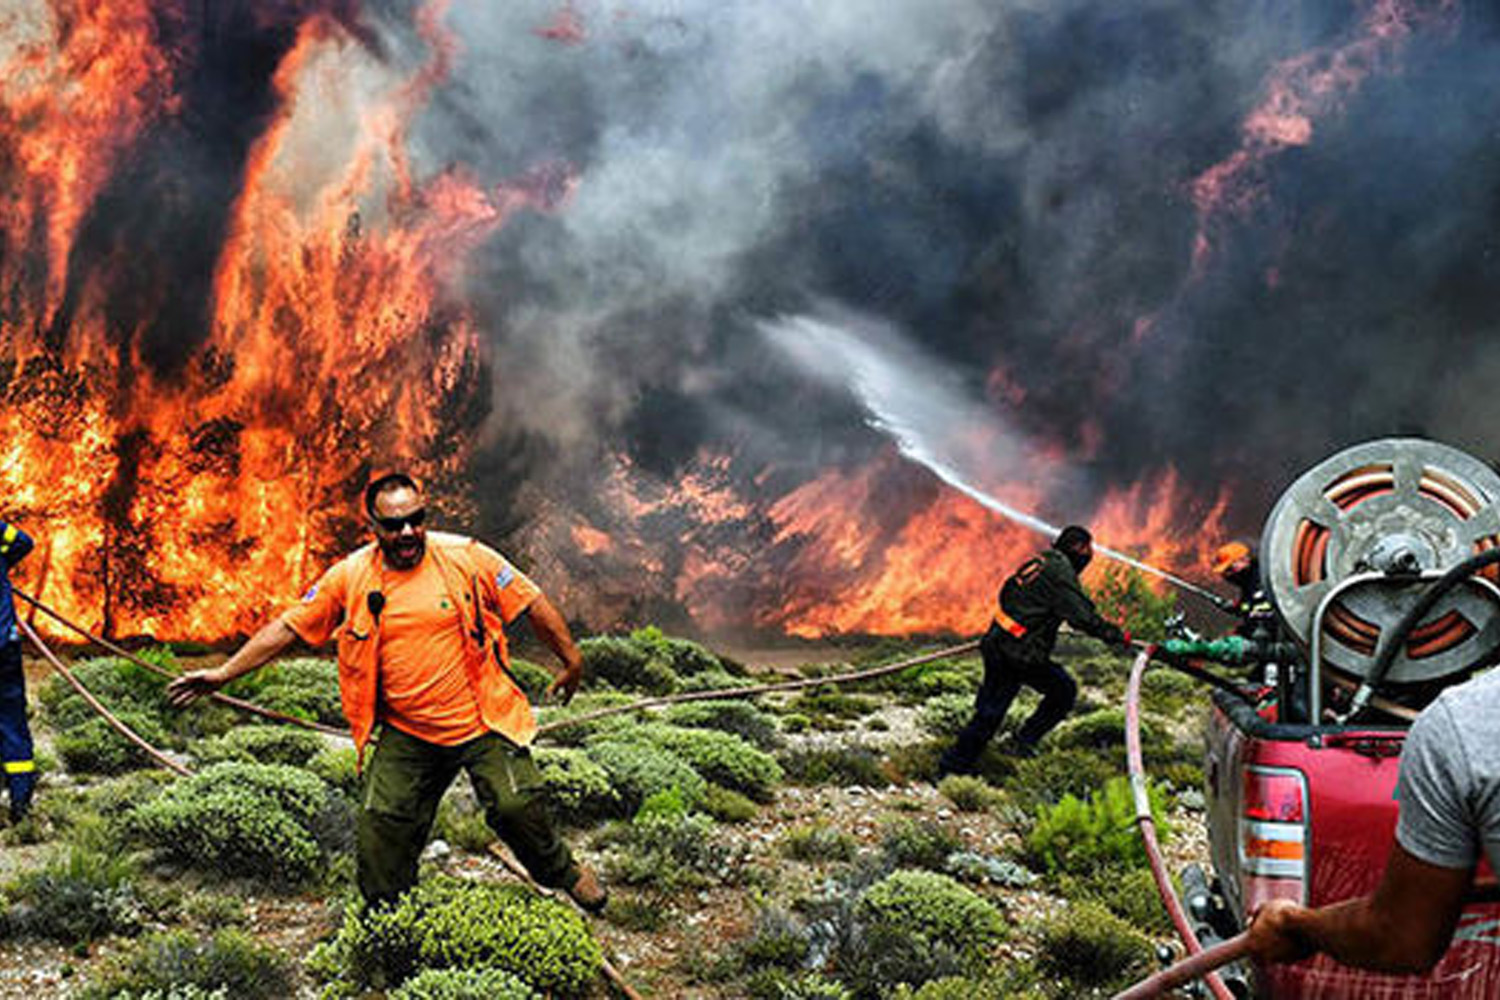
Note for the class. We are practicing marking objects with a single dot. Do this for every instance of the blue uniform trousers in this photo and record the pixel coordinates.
(15, 734)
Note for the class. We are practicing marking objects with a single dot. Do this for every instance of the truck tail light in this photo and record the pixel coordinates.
(1273, 831)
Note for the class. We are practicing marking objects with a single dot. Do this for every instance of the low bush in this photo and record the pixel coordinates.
(578, 789)
(447, 923)
(817, 843)
(1050, 776)
(93, 746)
(79, 897)
(1132, 896)
(1080, 835)
(971, 866)
(666, 848)
(302, 687)
(781, 984)
(970, 794)
(916, 926)
(942, 717)
(720, 757)
(261, 745)
(845, 765)
(1089, 945)
(532, 678)
(1104, 729)
(909, 843)
(337, 767)
(736, 717)
(628, 665)
(464, 984)
(778, 941)
(461, 823)
(728, 806)
(229, 964)
(259, 820)
(640, 770)
(828, 701)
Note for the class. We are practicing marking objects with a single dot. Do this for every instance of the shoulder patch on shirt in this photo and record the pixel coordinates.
(504, 578)
(311, 593)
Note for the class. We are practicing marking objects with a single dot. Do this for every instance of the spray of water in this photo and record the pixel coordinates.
(920, 406)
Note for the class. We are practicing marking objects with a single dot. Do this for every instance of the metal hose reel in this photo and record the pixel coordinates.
(1349, 544)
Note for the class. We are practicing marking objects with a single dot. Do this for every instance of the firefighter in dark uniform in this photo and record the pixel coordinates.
(1017, 649)
(15, 735)
(1236, 565)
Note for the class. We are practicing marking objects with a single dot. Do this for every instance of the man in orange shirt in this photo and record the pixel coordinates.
(419, 620)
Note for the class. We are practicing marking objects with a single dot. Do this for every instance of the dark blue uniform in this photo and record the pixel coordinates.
(15, 734)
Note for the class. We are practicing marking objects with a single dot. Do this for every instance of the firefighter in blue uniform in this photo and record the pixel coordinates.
(1017, 649)
(15, 735)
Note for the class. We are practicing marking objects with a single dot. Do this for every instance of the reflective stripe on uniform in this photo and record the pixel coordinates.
(20, 766)
(8, 536)
(1008, 623)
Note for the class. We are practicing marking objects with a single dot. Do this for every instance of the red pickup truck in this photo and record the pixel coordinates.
(1368, 560)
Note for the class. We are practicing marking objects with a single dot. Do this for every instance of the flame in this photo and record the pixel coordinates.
(185, 504)
(1299, 91)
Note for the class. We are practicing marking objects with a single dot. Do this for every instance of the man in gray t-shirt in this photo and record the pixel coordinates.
(1449, 795)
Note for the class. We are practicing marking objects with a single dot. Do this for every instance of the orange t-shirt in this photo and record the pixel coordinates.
(424, 689)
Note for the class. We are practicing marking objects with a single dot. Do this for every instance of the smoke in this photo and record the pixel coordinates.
(1016, 184)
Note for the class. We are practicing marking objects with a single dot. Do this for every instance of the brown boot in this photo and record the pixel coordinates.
(588, 893)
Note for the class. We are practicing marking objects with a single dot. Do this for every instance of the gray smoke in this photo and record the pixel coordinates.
(1012, 182)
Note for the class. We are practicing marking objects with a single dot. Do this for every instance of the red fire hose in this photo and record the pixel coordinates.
(1202, 962)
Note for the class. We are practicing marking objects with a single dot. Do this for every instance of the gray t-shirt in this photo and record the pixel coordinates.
(1449, 788)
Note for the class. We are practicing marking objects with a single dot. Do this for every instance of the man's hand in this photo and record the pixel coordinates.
(194, 684)
(1274, 936)
(566, 683)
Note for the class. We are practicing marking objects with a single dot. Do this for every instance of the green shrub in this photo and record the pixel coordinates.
(578, 789)
(909, 843)
(639, 770)
(1132, 896)
(933, 911)
(93, 746)
(817, 843)
(956, 988)
(1124, 594)
(828, 700)
(337, 767)
(665, 847)
(243, 819)
(722, 758)
(684, 656)
(1052, 775)
(844, 765)
(1105, 730)
(968, 793)
(629, 665)
(737, 717)
(781, 984)
(449, 923)
(167, 965)
(1088, 944)
(1079, 835)
(261, 745)
(532, 678)
(302, 687)
(728, 806)
(943, 716)
(940, 677)
(778, 941)
(464, 984)
(972, 866)
(461, 823)
(78, 897)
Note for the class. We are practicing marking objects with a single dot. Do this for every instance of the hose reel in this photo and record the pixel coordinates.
(1355, 537)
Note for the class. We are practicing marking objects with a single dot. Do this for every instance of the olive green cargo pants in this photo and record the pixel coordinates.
(406, 781)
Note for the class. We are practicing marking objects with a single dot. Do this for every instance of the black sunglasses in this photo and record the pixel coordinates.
(394, 524)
